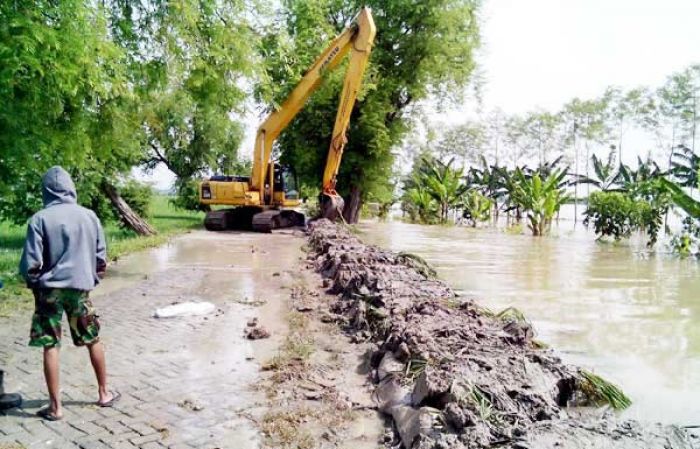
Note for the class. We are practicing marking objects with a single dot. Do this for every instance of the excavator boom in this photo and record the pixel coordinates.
(357, 40)
(259, 197)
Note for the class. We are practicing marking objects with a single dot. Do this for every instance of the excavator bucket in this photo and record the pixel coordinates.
(331, 206)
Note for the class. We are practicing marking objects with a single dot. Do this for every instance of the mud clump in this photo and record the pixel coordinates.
(452, 375)
(254, 331)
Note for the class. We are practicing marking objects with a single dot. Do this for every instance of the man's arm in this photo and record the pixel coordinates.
(101, 251)
(32, 260)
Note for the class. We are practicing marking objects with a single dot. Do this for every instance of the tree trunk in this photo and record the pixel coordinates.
(130, 218)
(353, 205)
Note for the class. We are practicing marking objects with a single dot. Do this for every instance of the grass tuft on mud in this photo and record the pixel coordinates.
(283, 429)
(418, 263)
(601, 391)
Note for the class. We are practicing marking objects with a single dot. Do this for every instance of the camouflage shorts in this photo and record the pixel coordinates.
(49, 307)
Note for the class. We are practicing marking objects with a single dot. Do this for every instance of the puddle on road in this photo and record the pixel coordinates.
(228, 269)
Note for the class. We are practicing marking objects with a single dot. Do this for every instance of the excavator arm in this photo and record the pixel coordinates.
(357, 40)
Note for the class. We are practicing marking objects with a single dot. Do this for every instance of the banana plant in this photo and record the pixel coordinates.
(685, 166)
(476, 207)
(419, 204)
(681, 199)
(540, 199)
(444, 184)
(607, 174)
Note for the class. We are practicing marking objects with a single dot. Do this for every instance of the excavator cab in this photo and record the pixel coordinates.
(286, 185)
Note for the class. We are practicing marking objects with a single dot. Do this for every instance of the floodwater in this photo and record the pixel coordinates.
(626, 314)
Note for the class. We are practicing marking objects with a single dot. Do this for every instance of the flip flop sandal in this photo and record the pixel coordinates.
(115, 398)
(46, 414)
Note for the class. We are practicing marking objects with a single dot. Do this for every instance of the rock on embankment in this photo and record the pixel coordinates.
(455, 376)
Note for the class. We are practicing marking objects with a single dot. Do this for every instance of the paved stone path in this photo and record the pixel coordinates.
(160, 366)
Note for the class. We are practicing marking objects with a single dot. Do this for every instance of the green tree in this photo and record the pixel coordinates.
(614, 214)
(607, 175)
(678, 107)
(584, 122)
(543, 131)
(438, 181)
(444, 184)
(465, 142)
(421, 50)
(685, 166)
(625, 109)
(477, 207)
(65, 101)
(189, 63)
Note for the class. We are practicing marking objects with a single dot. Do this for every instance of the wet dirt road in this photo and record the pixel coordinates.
(186, 382)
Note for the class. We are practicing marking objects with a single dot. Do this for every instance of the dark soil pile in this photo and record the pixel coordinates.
(453, 375)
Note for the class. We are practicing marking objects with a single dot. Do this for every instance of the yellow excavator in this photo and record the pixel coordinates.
(264, 200)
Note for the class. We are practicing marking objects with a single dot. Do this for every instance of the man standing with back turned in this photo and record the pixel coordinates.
(64, 258)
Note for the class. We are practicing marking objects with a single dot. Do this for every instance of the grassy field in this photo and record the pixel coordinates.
(167, 220)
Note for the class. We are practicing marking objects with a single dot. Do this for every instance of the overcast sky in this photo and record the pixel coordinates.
(542, 53)
(545, 52)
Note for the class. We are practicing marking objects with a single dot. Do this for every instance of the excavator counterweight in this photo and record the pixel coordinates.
(263, 201)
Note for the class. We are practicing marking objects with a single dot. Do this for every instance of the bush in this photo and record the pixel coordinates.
(618, 214)
(187, 197)
(138, 196)
(613, 214)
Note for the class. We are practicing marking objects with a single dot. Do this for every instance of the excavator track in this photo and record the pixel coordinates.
(251, 218)
(239, 218)
(274, 219)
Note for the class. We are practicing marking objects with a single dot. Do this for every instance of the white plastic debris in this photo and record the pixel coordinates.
(185, 309)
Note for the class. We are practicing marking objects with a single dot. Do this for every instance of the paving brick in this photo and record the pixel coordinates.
(152, 445)
(7, 440)
(96, 444)
(89, 427)
(142, 428)
(113, 426)
(8, 427)
(122, 445)
(116, 438)
(138, 441)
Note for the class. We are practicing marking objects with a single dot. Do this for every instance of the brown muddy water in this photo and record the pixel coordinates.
(628, 315)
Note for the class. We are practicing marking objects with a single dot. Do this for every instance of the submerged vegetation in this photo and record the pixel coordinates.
(490, 171)
(626, 199)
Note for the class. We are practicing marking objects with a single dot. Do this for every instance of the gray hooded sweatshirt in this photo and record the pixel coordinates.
(65, 245)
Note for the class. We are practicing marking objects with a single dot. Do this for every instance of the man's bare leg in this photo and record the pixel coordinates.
(97, 358)
(51, 373)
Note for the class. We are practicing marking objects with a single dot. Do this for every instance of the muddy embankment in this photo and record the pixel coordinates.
(453, 375)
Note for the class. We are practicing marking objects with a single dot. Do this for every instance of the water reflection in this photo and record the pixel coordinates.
(614, 308)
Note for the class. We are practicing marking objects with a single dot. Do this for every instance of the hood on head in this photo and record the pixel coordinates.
(58, 187)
